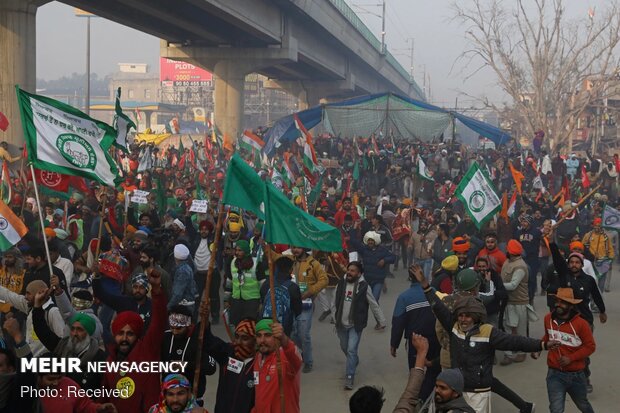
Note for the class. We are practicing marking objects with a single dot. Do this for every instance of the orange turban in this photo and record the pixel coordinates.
(460, 244)
(49, 232)
(576, 245)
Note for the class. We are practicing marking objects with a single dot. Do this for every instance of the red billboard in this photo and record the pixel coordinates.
(182, 73)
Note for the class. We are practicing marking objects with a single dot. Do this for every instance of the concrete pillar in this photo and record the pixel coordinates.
(17, 60)
(228, 97)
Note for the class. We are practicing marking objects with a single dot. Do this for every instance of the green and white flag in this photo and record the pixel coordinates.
(423, 170)
(62, 139)
(478, 195)
(122, 124)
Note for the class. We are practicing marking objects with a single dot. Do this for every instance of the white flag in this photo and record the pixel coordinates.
(423, 170)
(62, 139)
(611, 218)
(478, 195)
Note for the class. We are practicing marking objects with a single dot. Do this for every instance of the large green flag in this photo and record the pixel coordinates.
(243, 187)
(62, 139)
(284, 222)
(122, 124)
(287, 224)
(316, 191)
(478, 195)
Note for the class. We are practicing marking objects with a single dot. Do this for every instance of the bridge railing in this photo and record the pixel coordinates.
(361, 27)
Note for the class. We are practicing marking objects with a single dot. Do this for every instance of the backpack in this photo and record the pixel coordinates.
(283, 304)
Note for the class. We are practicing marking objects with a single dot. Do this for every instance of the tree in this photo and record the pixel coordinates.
(552, 67)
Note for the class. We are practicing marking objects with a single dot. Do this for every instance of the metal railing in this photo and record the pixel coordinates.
(359, 25)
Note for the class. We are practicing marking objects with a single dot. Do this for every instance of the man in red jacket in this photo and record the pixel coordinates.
(270, 338)
(142, 389)
(567, 363)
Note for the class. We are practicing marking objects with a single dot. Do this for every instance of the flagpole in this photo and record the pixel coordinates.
(584, 199)
(274, 317)
(36, 194)
(206, 297)
(103, 202)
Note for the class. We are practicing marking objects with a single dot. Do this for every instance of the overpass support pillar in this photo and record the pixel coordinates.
(18, 61)
(229, 97)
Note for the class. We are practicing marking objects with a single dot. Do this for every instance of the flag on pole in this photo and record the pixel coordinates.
(62, 139)
(12, 229)
(4, 122)
(423, 170)
(585, 180)
(243, 187)
(512, 205)
(478, 195)
(6, 189)
(517, 176)
(310, 162)
(288, 174)
(611, 218)
(122, 124)
(250, 142)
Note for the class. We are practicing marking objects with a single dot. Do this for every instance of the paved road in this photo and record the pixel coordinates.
(322, 389)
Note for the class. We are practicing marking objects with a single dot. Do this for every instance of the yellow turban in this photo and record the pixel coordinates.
(450, 263)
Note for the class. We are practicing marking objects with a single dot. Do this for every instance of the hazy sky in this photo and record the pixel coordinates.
(438, 42)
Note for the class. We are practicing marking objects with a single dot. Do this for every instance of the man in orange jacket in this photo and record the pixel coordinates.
(567, 363)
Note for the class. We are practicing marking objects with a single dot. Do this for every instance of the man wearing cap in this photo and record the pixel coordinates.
(270, 338)
(131, 345)
(567, 364)
(184, 290)
(235, 387)
(515, 274)
(447, 395)
(180, 343)
(570, 275)
(443, 279)
(473, 342)
(176, 396)
(600, 245)
(79, 344)
(244, 296)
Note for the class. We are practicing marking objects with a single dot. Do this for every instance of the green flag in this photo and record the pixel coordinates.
(287, 224)
(316, 191)
(243, 187)
(62, 139)
(122, 124)
(423, 170)
(478, 195)
(160, 196)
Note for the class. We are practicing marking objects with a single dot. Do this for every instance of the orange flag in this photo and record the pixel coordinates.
(504, 212)
(517, 176)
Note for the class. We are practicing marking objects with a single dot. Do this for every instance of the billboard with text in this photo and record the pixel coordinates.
(182, 73)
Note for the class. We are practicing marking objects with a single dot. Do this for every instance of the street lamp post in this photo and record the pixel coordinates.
(87, 103)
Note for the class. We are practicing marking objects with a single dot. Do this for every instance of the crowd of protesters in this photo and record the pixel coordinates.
(128, 278)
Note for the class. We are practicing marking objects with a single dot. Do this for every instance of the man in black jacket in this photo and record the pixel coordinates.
(473, 342)
(235, 387)
(38, 269)
(353, 298)
(181, 344)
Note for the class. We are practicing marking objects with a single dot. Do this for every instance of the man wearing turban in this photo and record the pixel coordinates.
(80, 342)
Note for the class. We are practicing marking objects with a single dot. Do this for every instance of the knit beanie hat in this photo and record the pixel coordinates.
(470, 305)
(453, 378)
(576, 254)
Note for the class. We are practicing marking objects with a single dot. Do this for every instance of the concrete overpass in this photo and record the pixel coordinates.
(314, 49)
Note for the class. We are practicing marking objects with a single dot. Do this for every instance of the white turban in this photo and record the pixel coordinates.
(374, 236)
(178, 223)
(181, 252)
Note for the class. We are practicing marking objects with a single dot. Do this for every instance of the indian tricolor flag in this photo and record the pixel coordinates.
(309, 156)
(250, 142)
(12, 229)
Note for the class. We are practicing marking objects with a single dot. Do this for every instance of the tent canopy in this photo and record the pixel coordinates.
(384, 113)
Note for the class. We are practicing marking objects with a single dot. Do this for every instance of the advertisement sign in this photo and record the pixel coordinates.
(182, 73)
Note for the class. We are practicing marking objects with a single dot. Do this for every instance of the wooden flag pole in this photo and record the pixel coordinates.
(36, 193)
(101, 219)
(204, 310)
(584, 199)
(274, 317)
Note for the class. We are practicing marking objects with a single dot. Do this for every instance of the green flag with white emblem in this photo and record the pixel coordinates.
(478, 195)
(62, 139)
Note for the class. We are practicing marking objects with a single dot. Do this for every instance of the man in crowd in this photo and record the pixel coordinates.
(492, 253)
(270, 338)
(184, 291)
(176, 396)
(567, 365)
